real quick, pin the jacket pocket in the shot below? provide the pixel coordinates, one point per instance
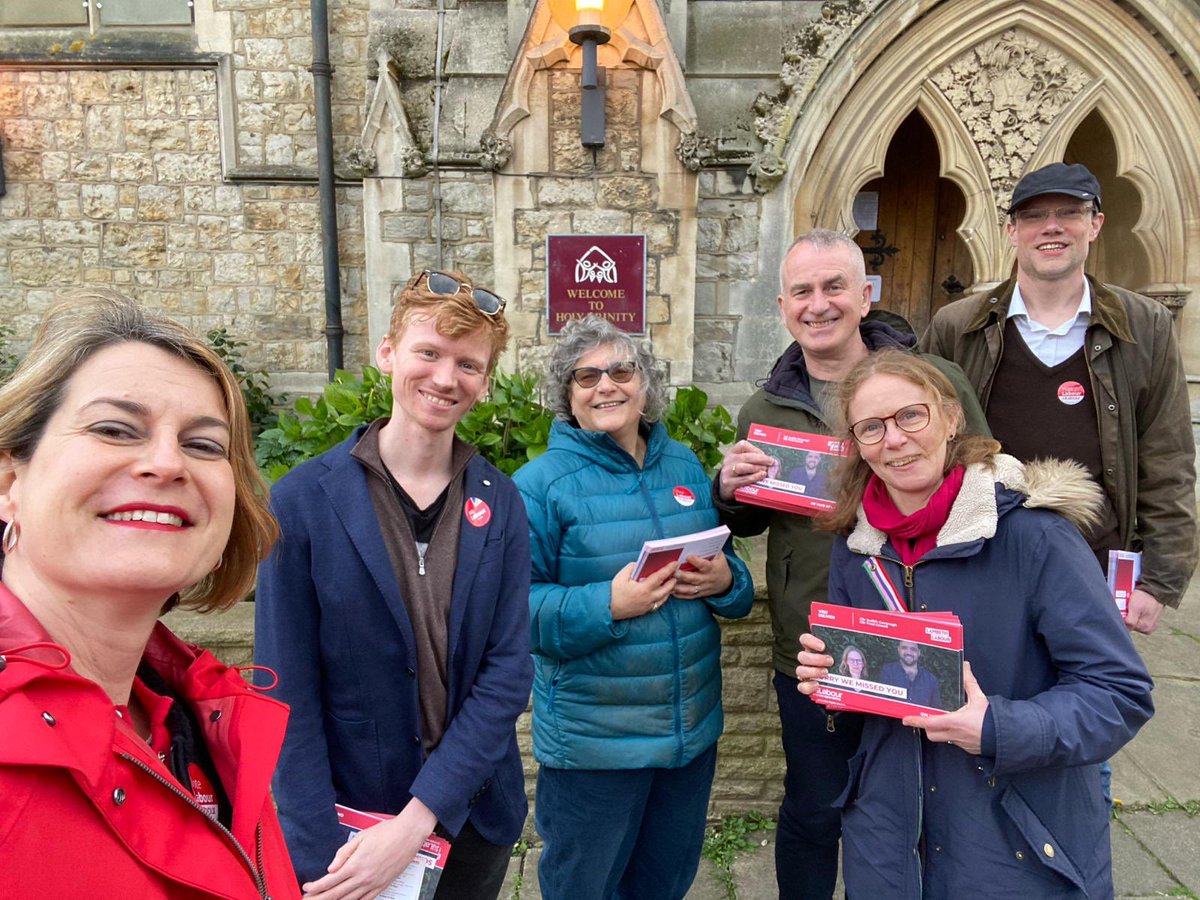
(354, 758)
(855, 766)
(1042, 842)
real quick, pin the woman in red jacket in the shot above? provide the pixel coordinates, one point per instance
(132, 764)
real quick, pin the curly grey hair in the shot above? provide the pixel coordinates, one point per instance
(580, 337)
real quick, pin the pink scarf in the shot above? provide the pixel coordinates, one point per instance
(912, 536)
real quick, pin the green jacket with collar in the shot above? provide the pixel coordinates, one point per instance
(797, 553)
(1138, 383)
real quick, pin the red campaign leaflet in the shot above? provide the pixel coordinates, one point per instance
(889, 663)
(1124, 571)
(659, 554)
(801, 480)
(420, 879)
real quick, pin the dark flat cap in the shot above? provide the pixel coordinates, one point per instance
(1057, 178)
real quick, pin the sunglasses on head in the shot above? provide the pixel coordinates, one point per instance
(448, 286)
(620, 372)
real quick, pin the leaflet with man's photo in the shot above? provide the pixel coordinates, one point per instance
(889, 663)
(801, 478)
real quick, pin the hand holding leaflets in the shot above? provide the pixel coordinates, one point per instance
(961, 728)
(889, 663)
(690, 566)
(799, 470)
(674, 552)
(392, 857)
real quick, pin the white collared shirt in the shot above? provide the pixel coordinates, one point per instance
(1052, 346)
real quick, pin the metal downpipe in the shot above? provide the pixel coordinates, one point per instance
(322, 73)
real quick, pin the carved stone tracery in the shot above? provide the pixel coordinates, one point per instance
(1008, 90)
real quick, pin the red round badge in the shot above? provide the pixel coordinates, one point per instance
(477, 512)
(1071, 392)
(683, 496)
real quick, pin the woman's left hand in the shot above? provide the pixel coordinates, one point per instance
(961, 728)
(711, 578)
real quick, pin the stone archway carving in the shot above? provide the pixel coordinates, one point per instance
(1028, 71)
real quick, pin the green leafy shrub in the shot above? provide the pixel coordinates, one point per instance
(510, 426)
(261, 404)
(707, 431)
(316, 425)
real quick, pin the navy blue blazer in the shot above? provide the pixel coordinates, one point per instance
(331, 622)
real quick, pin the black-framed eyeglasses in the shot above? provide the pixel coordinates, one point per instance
(620, 372)
(1061, 214)
(911, 419)
(489, 303)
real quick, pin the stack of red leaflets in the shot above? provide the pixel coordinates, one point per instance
(1124, 572)
(801, 478)
(674, 551)
(889, 663)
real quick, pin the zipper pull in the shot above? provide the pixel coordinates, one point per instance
(420, 563)
(908, 581)
(830, 723)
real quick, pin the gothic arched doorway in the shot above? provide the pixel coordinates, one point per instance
(908, 221)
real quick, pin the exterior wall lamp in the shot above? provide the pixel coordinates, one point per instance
(590, 34)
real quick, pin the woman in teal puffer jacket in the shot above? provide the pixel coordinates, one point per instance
(627, 687)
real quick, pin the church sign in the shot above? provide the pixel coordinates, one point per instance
(597, 274)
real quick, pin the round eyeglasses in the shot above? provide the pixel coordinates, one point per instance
(910, 419)
(620, 372)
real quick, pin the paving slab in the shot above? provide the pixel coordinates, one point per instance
(1165, 748)
(1174, 839)
(1136, 873)
(754, 870)
(530, 889)
(513, 882)
(708, 884)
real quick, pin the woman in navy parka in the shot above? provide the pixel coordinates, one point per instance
(1002, 797)
(627, 685)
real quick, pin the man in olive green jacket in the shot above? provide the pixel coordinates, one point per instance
(1051, 320)
(825, 304)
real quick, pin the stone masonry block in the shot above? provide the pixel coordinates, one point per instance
(156, 134)
(626, 192)
(98, 201)
(708, 235)
(68, 231)
(42, 266)
(233, 268)
(406, 227)
(467, 197)
(713, 362)
(127, 244)
(601, 221)
(660, 228)
(20, 233)
(716, 328)
(568, 192)
(158, 203)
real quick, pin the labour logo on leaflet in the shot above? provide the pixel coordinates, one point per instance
(683, 496)
(478, 513)
(1071, 392)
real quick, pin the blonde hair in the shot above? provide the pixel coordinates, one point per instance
(454, 315)
(90, 320)
(853, 473)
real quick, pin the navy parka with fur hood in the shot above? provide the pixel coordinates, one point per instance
(1065, 686)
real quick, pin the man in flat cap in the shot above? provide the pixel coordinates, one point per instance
(1066, 366)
